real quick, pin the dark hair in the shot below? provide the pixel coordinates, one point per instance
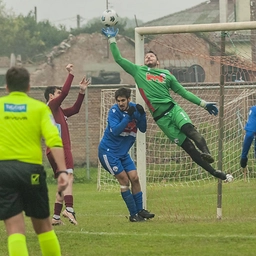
(50, 90)
(17, 79)
(152, 53)
(123, 92)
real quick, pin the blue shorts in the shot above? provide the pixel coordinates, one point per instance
(115, 165)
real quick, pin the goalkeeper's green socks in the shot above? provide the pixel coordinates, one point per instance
(49, 244)
(17, 245)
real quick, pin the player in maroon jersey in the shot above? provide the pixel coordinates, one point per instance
(54, 96)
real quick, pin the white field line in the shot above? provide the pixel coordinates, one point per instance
(84, 232)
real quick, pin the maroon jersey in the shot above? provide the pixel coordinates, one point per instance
(60, 115)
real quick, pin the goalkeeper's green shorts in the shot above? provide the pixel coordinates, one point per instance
(172, 122)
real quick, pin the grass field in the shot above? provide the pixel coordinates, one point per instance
(185, 222)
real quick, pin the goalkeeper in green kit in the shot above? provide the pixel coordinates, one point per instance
(154, 85)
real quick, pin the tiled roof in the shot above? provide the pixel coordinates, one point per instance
(204, 13)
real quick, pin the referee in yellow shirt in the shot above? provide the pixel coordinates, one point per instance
(24, 121)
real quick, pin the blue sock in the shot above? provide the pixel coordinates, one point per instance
(138, 201)
(130, 203)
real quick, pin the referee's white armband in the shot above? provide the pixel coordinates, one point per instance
(112, 40)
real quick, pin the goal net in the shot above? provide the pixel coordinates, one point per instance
(215, 70)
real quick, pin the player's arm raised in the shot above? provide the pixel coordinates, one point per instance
(84, 84)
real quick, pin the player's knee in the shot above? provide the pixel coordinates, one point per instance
(134, 179)
(189, 130)
(124, 187)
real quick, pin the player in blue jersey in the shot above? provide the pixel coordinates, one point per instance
(124, 119)
(250, 132)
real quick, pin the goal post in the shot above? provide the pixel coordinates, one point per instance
(140, 32)
(141, 137)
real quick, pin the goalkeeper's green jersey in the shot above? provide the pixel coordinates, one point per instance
(154, 84)
(23, 123)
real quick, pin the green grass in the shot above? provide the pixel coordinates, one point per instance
(185, 222)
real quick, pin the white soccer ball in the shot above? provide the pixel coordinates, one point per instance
(109, 18)
(229, 178)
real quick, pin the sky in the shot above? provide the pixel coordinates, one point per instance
(65, 12)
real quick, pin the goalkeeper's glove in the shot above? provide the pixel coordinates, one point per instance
(131, 110)
(210, 107)
(110, 33)
(140, 109)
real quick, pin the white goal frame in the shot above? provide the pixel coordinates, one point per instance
(140, 32)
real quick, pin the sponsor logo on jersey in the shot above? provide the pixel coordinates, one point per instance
(15, 107)
(15, 118)
(160, 78)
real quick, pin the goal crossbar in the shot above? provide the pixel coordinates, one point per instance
(231, 26)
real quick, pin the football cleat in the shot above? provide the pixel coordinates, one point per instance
(146, 214)
(70, 216)
(136, 218)
(57, 222)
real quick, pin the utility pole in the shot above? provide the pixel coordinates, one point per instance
(78, 19)
(35, 13)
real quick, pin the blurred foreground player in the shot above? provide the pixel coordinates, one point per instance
(23, 121)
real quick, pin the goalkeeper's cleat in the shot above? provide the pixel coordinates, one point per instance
(146, 214)
(136, 218)
(229, 178)
(70, 215)
(207, 158)
(57, 222)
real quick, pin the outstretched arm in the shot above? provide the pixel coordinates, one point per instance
(77, 105)
(179, 89)
(55, 103)
(127, 65)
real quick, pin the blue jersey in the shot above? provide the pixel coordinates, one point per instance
(120, 133)
(251, 122)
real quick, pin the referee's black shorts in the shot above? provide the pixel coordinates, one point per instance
(23, 188)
